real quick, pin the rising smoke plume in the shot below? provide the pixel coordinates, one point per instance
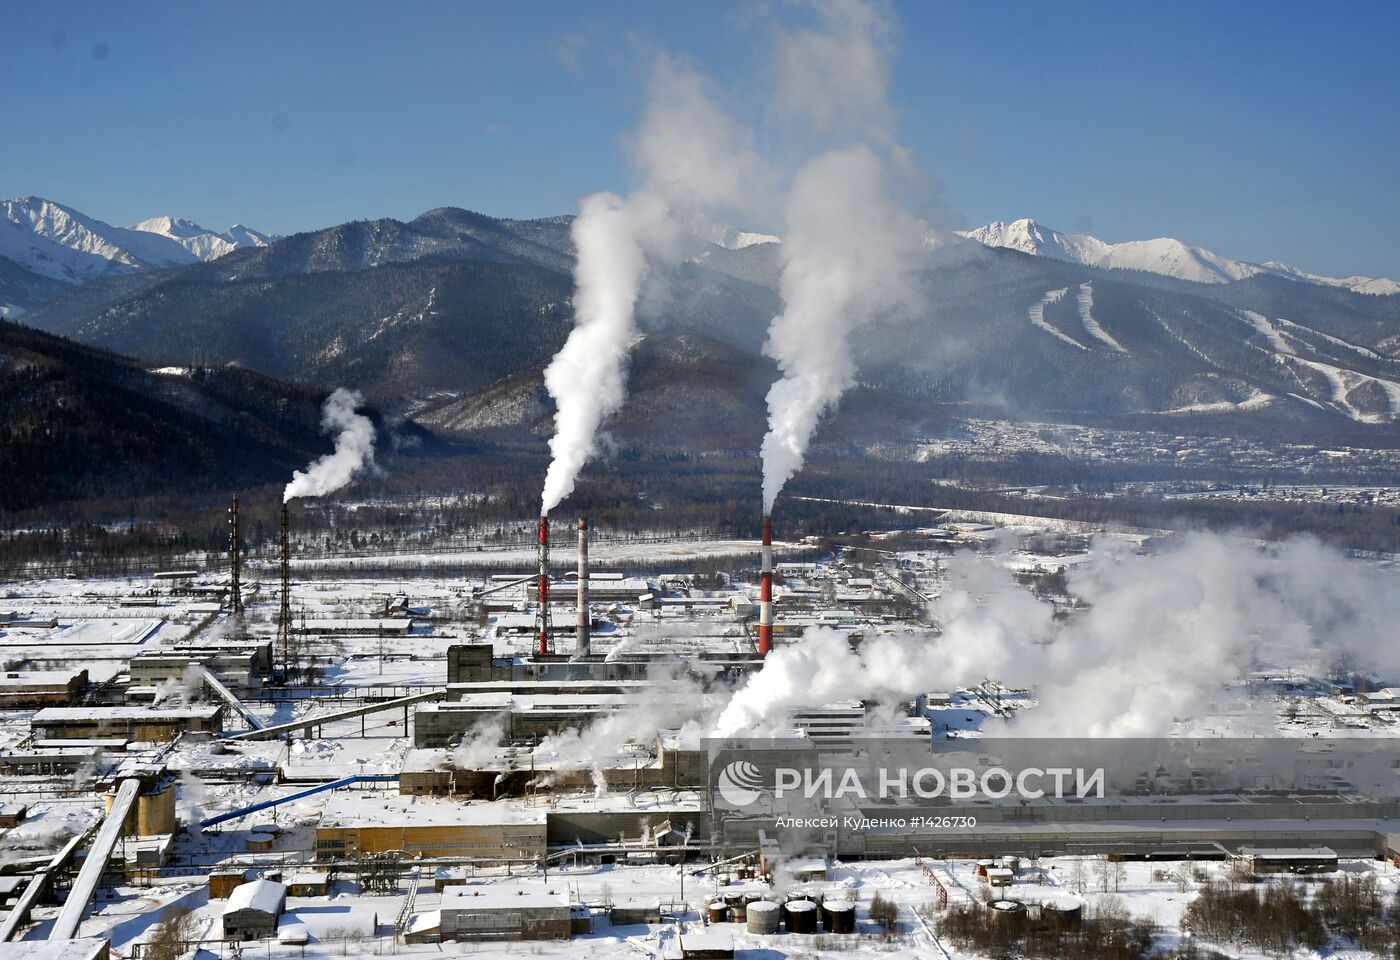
(1159, 637)
(848, 258)
(694, 159)
(354, 448)
(850, 249)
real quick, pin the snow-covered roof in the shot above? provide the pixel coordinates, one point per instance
(88, 948)
(503, 896)
(52, 714)
(265, 896)
(349, 811)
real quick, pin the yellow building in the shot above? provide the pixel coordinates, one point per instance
(354, 824)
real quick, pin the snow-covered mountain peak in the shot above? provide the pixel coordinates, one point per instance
(1163, 255)
(60, 243)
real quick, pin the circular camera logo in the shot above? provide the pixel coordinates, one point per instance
(740, 783)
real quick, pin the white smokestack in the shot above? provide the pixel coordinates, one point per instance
(354, 448)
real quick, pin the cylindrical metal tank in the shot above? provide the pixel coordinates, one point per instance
(984, 865)
(800, 916)
(763, 916)
(840, 916)
(1005, 909)
(719, 911)
(1066, 913)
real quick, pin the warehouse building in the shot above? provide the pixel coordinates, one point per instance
(158, 724)
(353, 825)
(499, 911)
(252, 910)
(36, 689)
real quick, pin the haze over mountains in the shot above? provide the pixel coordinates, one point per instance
(450, 318)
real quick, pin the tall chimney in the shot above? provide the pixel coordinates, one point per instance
(542, 616)
(584, 624)
(235, 561)
(765, 588)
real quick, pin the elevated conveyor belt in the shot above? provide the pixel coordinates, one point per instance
(309, 723)
(69, 918)
(231, 700)
(19, 914)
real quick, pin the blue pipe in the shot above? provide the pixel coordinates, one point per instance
(269, 804)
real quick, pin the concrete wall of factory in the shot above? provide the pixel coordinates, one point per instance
(676, 769)
(504, 841)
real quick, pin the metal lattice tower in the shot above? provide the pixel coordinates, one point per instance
(284, 611)
(235, 561)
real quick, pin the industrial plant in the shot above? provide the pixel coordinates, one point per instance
(279, 761)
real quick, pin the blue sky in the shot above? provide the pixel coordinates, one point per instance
(1260, 130)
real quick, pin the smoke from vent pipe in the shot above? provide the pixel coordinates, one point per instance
(354, 448)
(694, 159)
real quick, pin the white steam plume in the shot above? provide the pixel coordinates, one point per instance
(1159, 637)
(694, 158)
(354, 448)
(849, 249)
(848, 259)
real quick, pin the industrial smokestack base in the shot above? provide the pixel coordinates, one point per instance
(765, 587)
(584, 624)
(542, 615)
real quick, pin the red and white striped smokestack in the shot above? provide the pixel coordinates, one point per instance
(584, 625)
(765, 591)
(542, 619)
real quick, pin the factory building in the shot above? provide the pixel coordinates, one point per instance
(352, 825)
(515, 772)
(523, 911)
(36, 689)
(527, 716)
(357, 626)
(837, 726)
(253, 909)
(157, 724)
(237, 669)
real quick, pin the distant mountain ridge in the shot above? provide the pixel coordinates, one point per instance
(1164, 256)
(44, 244)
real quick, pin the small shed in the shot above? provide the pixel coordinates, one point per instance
(708, 945)
(224, 882)
(1289, 859)
(12, 813)
(424, 928)
(309, 883)
(632, 910)
(252, 910)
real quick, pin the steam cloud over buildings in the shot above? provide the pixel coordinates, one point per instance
(1158, 634)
